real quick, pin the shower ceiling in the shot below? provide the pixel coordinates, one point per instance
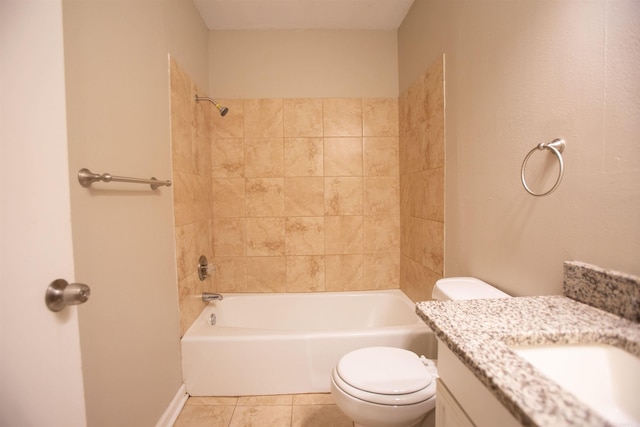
(303, 14)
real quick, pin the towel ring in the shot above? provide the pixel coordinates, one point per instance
(557, 147)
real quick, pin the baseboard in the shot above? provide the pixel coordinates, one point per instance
(173, 410)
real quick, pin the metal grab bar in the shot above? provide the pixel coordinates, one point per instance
(86, 178)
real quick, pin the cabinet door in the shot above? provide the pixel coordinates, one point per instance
(448, 411)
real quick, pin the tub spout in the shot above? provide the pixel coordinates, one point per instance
(210, 296)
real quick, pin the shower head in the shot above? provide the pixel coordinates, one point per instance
(223, 110)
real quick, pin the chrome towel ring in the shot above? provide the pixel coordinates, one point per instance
(557, 147)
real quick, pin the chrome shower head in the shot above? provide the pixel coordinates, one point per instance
(223, 110)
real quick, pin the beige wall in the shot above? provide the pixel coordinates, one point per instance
(303, 64)
(521, 73)
(117, 76)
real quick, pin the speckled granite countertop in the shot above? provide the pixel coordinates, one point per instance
(480, 332)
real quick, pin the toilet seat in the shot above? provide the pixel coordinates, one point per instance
(384, 375)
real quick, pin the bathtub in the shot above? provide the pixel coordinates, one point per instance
(288, 343)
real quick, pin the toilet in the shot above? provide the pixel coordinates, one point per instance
(393, 387)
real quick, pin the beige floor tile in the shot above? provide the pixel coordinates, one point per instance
(205, 416)
(275, 400)
(261, 416)
(319, 416)
(212, 401)
(313, 399)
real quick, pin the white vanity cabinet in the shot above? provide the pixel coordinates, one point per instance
(462, 400)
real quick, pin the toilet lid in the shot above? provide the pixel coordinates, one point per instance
(384, 370)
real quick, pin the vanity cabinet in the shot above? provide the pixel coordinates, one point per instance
(462, 400)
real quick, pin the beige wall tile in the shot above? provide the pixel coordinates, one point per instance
(415, 149)
(264, 157)
(417, 281)
(434, 142)
(433, 249)
(343, 157)
(304, 236)
(302, 117)
(435, 118)
(232, 124)
(434, 194)
(189, 300)
(191, 198)
(413, 239)
(264, 220)
(381, 195)
(344, 234)
(342, 116)
(405, 199)
(192, 240)
(343, 196)
(227, 158)
(434, 81)
(304, 196)
(266, 274)
(417, 197)
(264, 197)
(344, 272)
(417, 102)
(263, 118)
(380, 117)
(265, 236)
(421, 160)
(181, 136)
(305, 273)
(228, 197)
(382, 270)
(381, 233)
(201, 140)
(403, 113)
(181, 87)
(303, 157)
(231, 274)
(380, 156)
(228, 237)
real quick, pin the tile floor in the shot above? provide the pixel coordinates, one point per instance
(297, 410)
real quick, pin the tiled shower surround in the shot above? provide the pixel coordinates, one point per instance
(307, 195)
(422, 155)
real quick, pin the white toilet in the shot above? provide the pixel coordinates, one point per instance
(393, 387)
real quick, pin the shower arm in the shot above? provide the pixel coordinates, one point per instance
(206, 98)
(223, 110)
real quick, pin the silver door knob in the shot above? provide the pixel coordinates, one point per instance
(60, 294)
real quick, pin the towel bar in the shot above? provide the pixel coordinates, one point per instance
(86, 178)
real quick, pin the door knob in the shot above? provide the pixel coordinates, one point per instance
(60, 294)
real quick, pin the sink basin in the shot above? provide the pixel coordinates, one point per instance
(604, 377)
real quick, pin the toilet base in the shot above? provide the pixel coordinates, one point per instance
(374, 415)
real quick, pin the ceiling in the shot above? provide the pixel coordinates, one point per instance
(303, 14)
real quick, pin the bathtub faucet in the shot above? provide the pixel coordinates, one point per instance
(210, 296)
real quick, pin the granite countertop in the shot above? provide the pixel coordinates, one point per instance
(480, 332)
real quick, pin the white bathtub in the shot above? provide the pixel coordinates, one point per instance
(288, 343)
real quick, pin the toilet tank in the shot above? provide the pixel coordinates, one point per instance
(460, 288)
